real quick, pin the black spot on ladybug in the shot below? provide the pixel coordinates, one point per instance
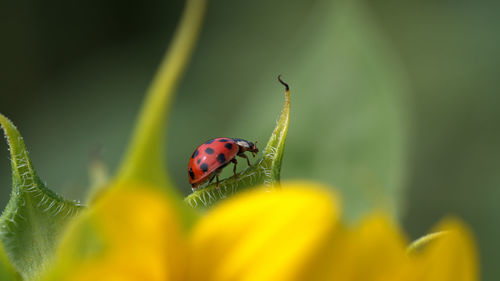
(209, 142)
(229, 146)
(221, 158)
(195, 153)
(209, 150)
(223, 140)
(191, 173)
(199, 160)
(204, 167)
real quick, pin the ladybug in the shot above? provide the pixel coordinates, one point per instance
(211, 157)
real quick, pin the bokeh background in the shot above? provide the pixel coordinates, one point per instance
(395, 103)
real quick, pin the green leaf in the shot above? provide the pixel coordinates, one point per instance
(266, 171)
(34, 216)
(7, 271)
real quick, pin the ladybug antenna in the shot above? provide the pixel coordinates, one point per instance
(284, 84)
(255, 148)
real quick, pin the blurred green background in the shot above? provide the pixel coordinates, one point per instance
(394, 103)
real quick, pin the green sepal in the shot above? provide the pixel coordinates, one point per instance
(34, 216)
(7, 271)
(144, 160)
(266, 171)
(273, 153)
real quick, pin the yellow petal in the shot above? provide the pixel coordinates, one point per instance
(374, 250)
(378, 251)
(451, 257)
(262, 235)
(131, 233)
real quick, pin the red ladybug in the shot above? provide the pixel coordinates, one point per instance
(211, 157)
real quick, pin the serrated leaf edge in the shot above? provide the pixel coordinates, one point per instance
(26, 186)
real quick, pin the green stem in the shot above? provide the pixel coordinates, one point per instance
(145, 158)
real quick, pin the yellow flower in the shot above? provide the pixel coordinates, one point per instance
(137, 235)
(295, 233)
(139, 229)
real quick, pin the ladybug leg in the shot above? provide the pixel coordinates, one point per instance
(246, 157)
(217, 177)
(234, 167)
(211, 179)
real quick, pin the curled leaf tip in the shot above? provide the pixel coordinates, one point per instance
(287, 88)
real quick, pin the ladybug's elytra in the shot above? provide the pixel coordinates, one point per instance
(211, 157)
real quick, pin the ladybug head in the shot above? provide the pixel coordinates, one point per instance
(253, 148)
(246, 146)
